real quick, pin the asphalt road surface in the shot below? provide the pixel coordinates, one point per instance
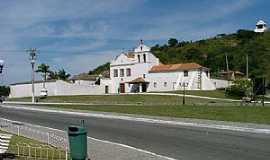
(179, 142)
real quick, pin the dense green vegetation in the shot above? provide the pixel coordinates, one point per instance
(211, 53)
(100, 69)
(46, 73)
(4, 91)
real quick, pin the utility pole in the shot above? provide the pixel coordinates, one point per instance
(247, 66)
(227, 68)
(1, 69)
(264, 90)
(33, 57)
(184, 92)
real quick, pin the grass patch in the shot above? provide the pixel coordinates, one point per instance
(25, 153)
(213, 94)
(251, 114)
(121, 99)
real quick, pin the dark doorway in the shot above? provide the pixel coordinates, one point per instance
(106, 89)
(122, 87)
(144, 87)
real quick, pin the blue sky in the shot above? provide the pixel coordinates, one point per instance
(80, 35)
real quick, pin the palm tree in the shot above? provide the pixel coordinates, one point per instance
(53, 75)
(63, 75)
(44, 69)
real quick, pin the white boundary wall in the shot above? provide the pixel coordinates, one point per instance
(56, 88)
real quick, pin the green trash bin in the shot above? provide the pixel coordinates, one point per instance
(77, 142)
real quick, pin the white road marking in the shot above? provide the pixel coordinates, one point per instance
(148, 120)
(103, 141)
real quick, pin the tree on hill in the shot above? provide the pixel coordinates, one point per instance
(211, 53)
(100, 69)
(172, 42)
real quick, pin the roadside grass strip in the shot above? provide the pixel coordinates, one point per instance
(25, 148)
(247, 114)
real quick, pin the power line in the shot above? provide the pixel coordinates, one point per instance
(53, 52)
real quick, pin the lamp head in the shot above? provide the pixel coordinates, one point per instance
(1, 65)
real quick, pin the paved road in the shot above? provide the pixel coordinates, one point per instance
(188, 143)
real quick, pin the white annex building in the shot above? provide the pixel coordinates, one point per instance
(132, 72)
(141, 71)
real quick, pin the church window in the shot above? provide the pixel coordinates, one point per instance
(122, 72)
(128, 72)
(155, 84)
(185, 73)
(144, 58)
(115, 72)
(165, 84)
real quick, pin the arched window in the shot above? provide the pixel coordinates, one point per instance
(139, 58)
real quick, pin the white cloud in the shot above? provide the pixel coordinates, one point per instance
(55, 25)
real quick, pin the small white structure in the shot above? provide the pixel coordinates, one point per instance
(261, 27)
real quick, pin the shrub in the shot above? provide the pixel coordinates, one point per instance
(240, 88)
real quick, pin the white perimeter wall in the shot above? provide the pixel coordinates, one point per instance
(219, 83)
(55, 89)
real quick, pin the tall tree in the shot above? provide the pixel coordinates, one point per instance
(172, 42)
(53, 75)
(44, 70)
(63, 75)
(4, 91)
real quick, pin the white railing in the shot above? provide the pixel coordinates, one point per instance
(48, 136)
(32, 151)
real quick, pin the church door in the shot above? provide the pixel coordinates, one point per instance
(122, 87)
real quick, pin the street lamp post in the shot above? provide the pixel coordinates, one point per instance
(33, 58)
(184, 92)
(1, 66)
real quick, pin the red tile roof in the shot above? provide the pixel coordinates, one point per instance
(175, 67)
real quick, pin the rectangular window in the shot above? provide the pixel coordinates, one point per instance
(165, 84)
(174, 85)
(185, 73)
(155, 84)
(122, 72)
(139, 58)
(115, 72)
(128, 72)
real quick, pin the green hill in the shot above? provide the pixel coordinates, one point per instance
(211, 52)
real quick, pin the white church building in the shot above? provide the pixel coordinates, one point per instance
(141, 71)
